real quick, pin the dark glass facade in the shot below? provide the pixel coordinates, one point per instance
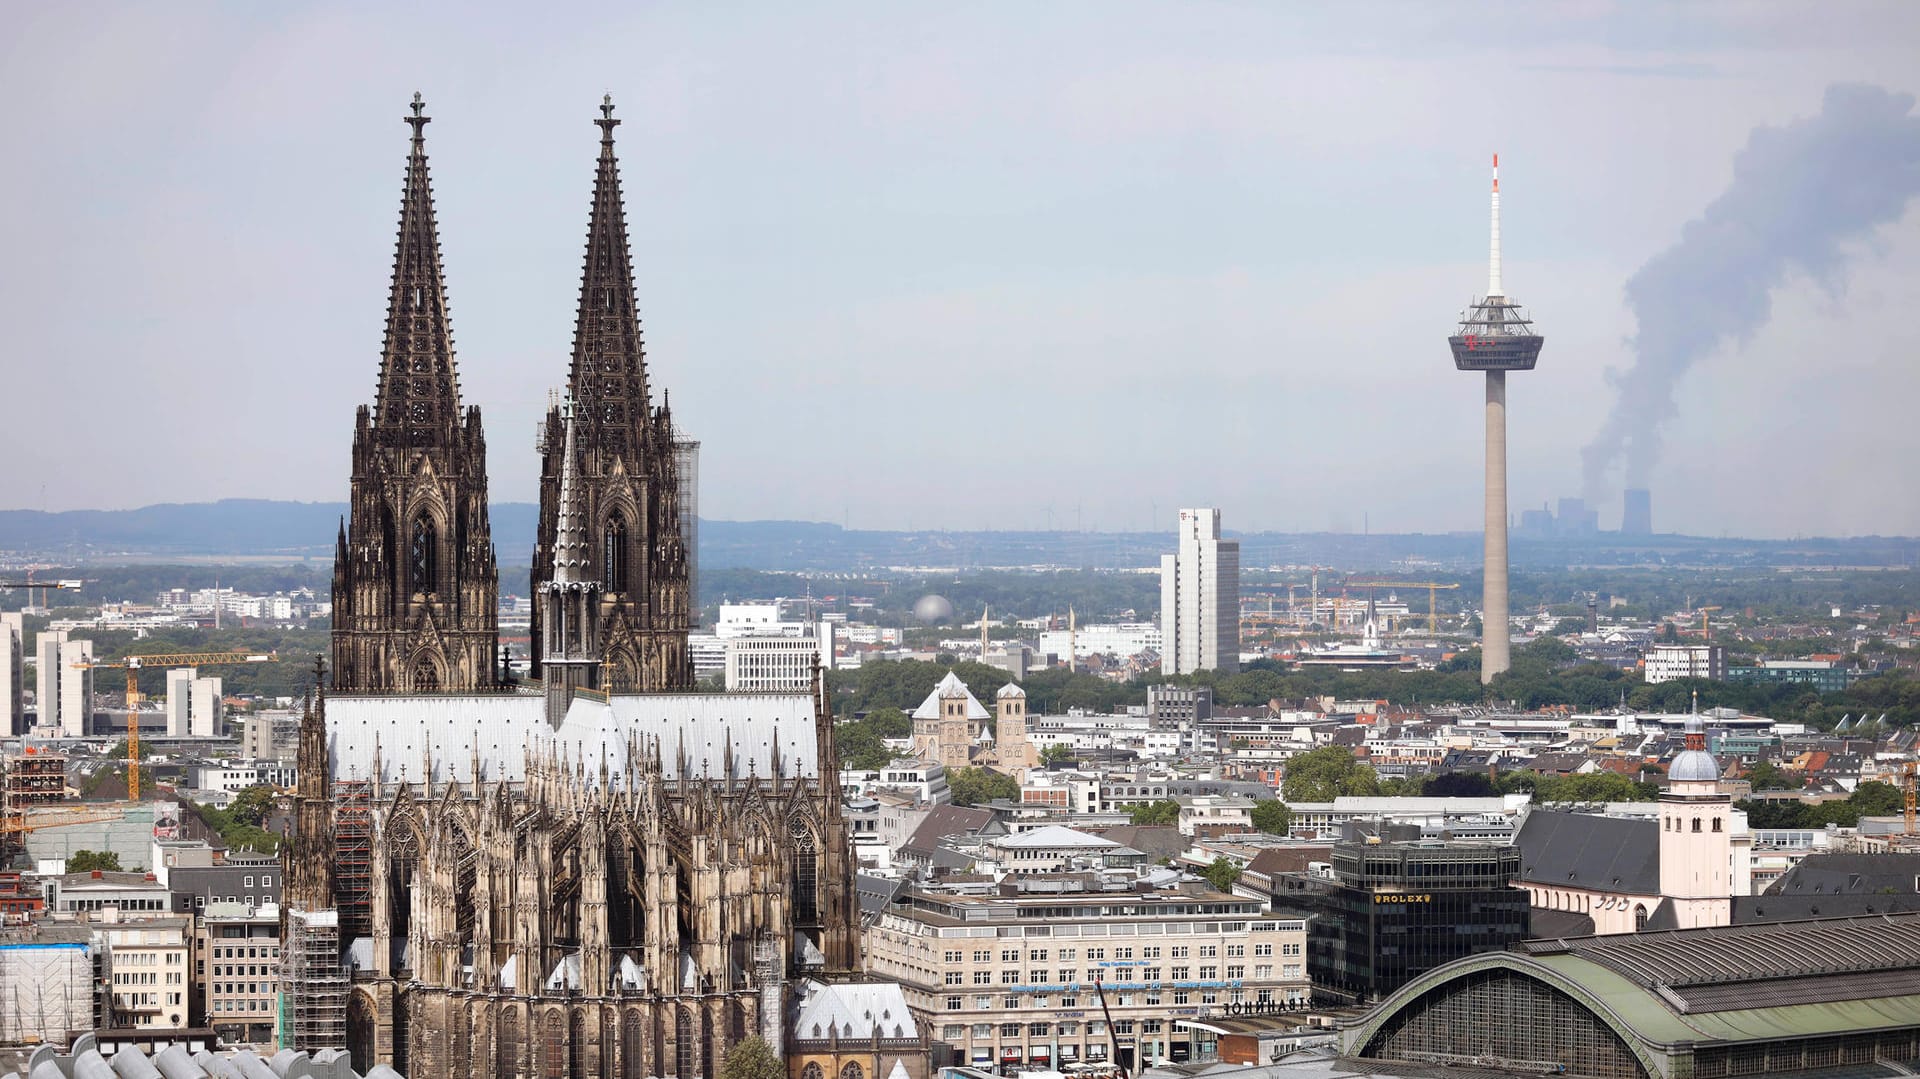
(1394, 911)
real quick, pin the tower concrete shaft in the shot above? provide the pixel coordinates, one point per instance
(1495, 654)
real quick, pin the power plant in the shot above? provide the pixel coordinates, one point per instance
(1495, 337)
(1636, 518)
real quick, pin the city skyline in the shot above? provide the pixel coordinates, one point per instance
(840, 225)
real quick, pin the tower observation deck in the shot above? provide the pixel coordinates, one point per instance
(1495, 337)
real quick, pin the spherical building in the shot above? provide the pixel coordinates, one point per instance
(933, 610)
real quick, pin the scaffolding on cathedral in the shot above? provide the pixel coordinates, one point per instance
(315, 982)
(353, 840)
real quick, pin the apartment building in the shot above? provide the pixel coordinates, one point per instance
(1017, 980)
(145, 966)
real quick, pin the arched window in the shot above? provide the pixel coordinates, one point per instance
(511, 1052)
(1639, 917)
(1716, 824)
(853, 1071)
(613, 555)
(1696, 824)
(686, 1052)
(812, 1071)
(423, 557)
(556, 1047)
(426, 677)
(806, 898)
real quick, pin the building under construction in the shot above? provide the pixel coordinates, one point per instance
(314, 982)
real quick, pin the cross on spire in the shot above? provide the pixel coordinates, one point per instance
(607, 122)
(418, 121)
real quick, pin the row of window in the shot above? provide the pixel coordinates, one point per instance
(1069, 975)
(1151, 951)
(1149, 999)
(144, 977)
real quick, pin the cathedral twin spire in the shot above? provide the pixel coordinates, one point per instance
(415, 582)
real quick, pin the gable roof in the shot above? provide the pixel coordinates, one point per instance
(950, 687)
(1579, 850)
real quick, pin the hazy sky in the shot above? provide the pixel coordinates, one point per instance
(947, 265)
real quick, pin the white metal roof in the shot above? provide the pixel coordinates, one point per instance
(415, 736)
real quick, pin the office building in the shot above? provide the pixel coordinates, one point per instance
(1824, 675)
(64, 696)
(1398, 908)
(13, 689)
(1668, 662)
(236, 968)
(1171, 707)
(1200, 598)
(1026, 996)
(777, 664)
(195, 707)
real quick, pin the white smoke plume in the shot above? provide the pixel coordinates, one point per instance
(1799, 193)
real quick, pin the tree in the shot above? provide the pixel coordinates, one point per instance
(1222, 874)
(1055, 754)
(1165, 811)
(1325, 774)
(1272, 816)
(1767, 776)
(860, 746)
(971, 786)
(752, 1058)
(252, 805)
(88, 861)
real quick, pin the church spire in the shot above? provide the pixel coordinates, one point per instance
(419, 385)
(608, 379)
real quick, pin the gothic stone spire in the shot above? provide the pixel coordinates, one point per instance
(608, 379)
(419, 385)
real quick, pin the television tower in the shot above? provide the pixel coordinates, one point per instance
(1495, 337)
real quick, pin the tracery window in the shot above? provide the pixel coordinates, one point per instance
(423, 556)
(853, 1070)
(613, 554)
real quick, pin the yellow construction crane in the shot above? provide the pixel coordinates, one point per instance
(133, 666)
(30, 584)
(1433, 597)
(1706, 629)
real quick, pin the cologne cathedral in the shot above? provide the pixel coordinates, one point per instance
(593, 873)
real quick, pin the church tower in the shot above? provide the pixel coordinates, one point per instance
(627, 491)
(307, 858)
(1696, 835)
(415, 588)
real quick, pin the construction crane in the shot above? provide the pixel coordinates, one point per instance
(68, 585)
(1706, 629)
(133, 666)
(1433, 597)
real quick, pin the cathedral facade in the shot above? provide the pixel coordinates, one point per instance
(595, 874)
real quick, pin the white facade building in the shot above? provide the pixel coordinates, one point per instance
(1200, 598)
(1123, 639)
(195, 707)
(1668, 662)
(64, 695)
(759, 664)
(13, 696)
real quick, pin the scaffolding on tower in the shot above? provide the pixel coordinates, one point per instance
(315, 982)
(353, 868)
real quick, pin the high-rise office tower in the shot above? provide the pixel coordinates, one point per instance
(1200, 598)
(64, 695)
(13, 695)
(1495, 336)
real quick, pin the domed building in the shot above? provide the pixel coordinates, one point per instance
(1606, 873)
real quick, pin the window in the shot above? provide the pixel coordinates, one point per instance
(1009, 955)
(955, 977)
(953, 1004)
(1152, 952)
(982, 1003)
(1123, 953)
(1208, 951)
(1716, 824)
(1039, 954)
(1096, 953)
(983, 977)
(1262, 950)
(1235, 970)
(952, 957)
(613, 555)
(423, 556)
(1009, 977)
(1010, 1003)
(1179, 951)
(982, 956)
(1696, 824)
(1209, 974)
(1067, 954)
(1180, 973)
(1179, 996)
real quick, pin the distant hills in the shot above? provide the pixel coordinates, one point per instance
(267, 530)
